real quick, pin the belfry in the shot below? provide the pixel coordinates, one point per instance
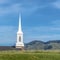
(19, 42)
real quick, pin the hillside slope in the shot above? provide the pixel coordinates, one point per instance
(40, 45)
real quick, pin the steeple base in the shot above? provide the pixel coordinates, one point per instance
(20, 46)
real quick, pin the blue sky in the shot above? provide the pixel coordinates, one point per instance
(40, 20)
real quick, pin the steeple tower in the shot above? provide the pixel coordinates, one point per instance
(19, 43)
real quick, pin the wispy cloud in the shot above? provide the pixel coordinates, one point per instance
(10, 9)
(4, 1)
(7, 35)
(44, 29)
(56, 4)
(42, 37)
(56, 23)
(27, 7)
(43, 33)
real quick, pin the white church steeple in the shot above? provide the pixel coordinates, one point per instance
(19, 43)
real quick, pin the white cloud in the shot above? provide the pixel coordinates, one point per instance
(10, 9)
(50, 37)
(7, 34)
(44, 29)
(43, 33)
(26, 7)
(56, 4)
(4, 1)
(45, 37)
(16, 8)
(56, 23)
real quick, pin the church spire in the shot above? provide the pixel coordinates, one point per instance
(19, 42)
(19, 28)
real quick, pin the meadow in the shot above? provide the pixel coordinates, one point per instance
(30, 55)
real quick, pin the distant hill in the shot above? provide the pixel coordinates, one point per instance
(40, 45)
(37, 45)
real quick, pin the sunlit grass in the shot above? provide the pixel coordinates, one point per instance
(30, 55)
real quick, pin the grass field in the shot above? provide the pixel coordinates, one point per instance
(29, 55)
